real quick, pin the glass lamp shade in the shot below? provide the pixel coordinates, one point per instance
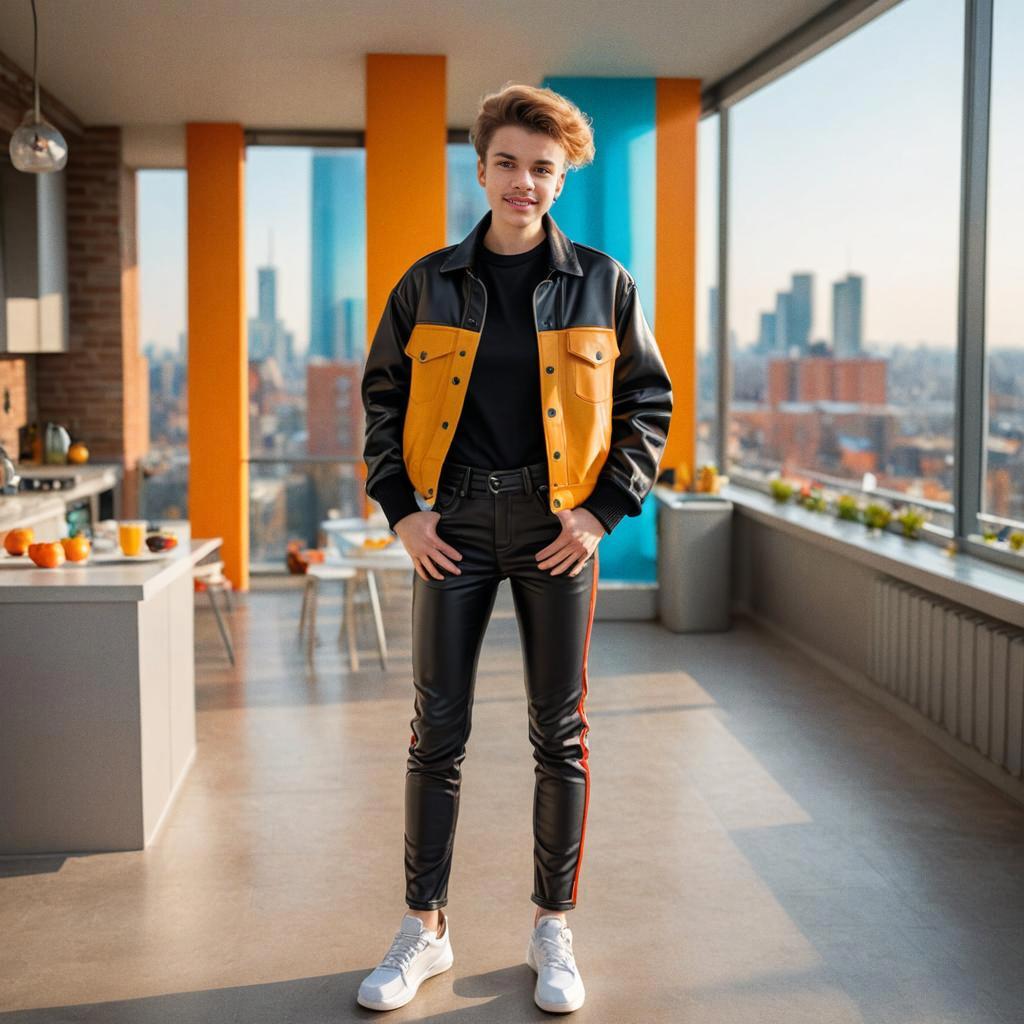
(37, 147)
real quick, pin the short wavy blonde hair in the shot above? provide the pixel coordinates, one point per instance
(537, 110)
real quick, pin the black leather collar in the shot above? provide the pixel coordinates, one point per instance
(563, 255)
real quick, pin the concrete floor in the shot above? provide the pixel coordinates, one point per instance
(763, 845)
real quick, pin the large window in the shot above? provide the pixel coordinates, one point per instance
(843, 261)
(163, 334)
(1002, 502)
(707, 290)
(467, 202)
(306, 294)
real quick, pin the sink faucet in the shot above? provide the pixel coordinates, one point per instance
(9, 477)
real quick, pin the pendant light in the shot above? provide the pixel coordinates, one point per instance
(36, 145)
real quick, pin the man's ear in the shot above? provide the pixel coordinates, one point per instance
(480, 172)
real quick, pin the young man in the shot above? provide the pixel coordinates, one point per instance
(515, 385)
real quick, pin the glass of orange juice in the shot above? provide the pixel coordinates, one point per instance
(131, 533)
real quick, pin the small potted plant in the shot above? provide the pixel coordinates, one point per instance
(988, 535)
(1016, 540)
(782, 490)
(812, 498)
(911, 519)
(876, 516)
(847, 508)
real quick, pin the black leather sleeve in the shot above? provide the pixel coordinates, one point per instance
(385, 393)
(641, 403)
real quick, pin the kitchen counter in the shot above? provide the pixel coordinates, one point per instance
(97, 685)
(111, 581)
(30, 508)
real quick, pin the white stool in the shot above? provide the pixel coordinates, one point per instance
(211, 575)
(327, 573)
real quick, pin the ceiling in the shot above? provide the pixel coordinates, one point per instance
(299, 63)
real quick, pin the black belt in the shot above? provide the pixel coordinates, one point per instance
(478, 482)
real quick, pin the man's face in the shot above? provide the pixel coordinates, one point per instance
(523, 173)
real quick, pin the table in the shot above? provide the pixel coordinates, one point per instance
(348, 563)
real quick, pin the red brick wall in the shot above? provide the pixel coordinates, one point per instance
(15, 392)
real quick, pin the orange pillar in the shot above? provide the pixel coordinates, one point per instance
(406, 171)
(678, 110)
(217, 356)
(406, 157)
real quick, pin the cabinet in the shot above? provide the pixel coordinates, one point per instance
(33, 261)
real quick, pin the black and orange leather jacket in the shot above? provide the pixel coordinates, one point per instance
(606, 395)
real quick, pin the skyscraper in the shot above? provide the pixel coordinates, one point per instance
(783, 319)
(800, 312)
(766, 336)
(338, 231)
(847, 316)
(267, 335)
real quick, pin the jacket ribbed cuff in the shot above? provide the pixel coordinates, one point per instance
(608, 503)
(397, 497)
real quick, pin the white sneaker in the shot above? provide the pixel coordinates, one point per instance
(416, 954)
(559, 986)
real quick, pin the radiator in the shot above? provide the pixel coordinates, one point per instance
(961, 669)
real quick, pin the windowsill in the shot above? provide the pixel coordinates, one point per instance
(962, 578)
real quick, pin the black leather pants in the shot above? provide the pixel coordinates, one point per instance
(498, 526)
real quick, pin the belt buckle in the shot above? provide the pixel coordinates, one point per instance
(493, 484)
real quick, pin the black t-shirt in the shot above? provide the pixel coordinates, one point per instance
(500, 426)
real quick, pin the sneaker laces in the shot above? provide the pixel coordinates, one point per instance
(404, 949)
(556, 952)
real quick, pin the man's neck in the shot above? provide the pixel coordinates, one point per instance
(509, 241)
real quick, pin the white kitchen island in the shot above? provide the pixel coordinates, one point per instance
(97, 683)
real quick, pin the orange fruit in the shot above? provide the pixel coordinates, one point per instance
(78, 453)
(47, 555)
(16, 542)
(76, 549)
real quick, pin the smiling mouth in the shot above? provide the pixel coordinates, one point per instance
(520, 203)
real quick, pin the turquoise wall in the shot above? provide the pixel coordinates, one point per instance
(610, 205)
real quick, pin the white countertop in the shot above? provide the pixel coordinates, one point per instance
(113, 581)
(26, 508)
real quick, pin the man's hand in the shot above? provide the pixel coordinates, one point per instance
(418, 534)
(581, 533)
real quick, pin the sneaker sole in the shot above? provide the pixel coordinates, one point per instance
(444, 964)
(551, 1007)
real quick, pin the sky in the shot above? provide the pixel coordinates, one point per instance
(851, 162)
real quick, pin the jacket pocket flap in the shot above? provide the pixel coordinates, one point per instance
(595, 344)
(428, 341)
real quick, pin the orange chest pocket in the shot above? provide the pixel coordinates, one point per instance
(430, 347)
(592, 352)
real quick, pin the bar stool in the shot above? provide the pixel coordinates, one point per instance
(209, 576)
